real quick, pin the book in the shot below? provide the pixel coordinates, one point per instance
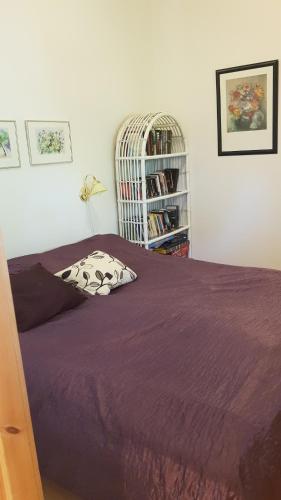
(159, 142)
(172, 176)
(155, 224)
(176, 245)
(166, 219)
(156, 184)
(151, 143)
(138, 190)
(174, 241)
(152, 227)
(151, 187)
(164, 142)
(157, 244)
(169, 142)
(131, 190)
(125, 190)
(163, 182)
(160, 221)
(173, 212)
(182, 251)
(139, 229)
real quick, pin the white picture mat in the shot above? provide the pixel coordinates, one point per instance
(36, 158)
(247, 140)
(13, 160)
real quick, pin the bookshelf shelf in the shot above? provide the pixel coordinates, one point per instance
(153, 157)
(157, 198)
(170, 233)
(152, 179)
(163, 236)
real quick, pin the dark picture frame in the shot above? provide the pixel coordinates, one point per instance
(247, 109)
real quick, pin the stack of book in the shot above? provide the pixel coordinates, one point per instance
(177, 245)
(159, 142)
(156, 185)
(162, 182)
(159, 183)
(163, 220)
(131, 190)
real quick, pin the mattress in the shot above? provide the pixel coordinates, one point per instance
(167, 389)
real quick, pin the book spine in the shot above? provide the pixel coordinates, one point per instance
(158, 135)
(125, 190)
(169, 141)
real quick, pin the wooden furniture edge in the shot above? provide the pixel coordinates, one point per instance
(19, 472)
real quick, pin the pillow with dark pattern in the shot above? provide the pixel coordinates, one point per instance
(98, 273)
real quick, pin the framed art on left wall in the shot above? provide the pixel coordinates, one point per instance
(9, 148)
(49, 142)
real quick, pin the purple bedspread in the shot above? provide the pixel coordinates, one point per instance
(167, 389)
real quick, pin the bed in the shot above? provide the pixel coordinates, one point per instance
(167, 389)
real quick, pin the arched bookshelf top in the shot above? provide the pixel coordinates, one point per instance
(134, 134)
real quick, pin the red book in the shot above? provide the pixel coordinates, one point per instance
(125, 190)
(182, 251)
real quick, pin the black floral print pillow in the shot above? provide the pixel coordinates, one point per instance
(98, 273)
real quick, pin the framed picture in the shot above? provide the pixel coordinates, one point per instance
(9, 148)
(247, 109)
(48, 142)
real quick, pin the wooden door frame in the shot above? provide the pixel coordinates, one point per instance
(19, 472)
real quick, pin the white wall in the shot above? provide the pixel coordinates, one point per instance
(236, 201)
(76, 60)
(94, 61)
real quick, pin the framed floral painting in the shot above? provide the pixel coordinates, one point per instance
(247, 109)
(9, 148)
(49, 142)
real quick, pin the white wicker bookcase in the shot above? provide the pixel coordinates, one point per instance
(133, 164)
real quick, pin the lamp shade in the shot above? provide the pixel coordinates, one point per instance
(91, 187)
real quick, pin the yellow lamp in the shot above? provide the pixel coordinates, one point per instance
(91, 186)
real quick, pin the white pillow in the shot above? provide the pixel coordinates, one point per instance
(98, 273)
